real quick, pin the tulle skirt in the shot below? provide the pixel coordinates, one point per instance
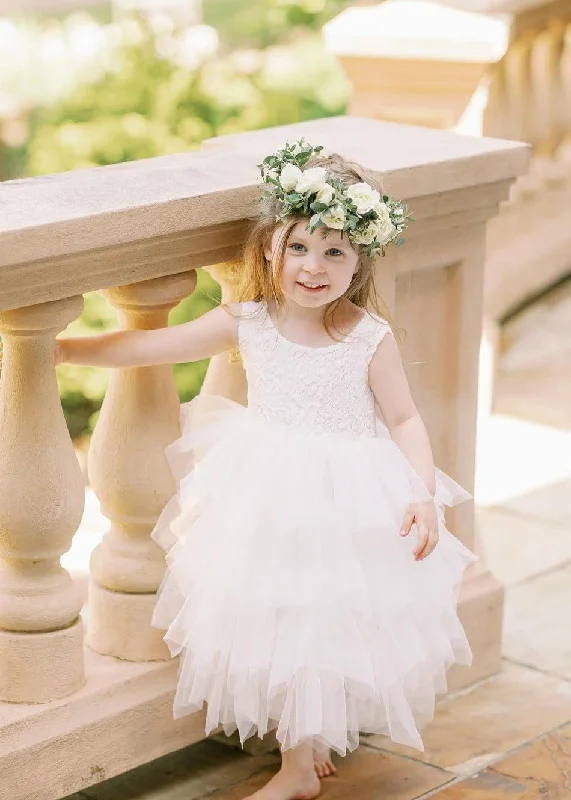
(289, 595)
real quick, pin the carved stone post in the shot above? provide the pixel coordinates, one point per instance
(130, 476)
(41, 505)
(415, 61)
(226, 376)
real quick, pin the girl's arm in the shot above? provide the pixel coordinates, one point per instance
(392, 394)
(212, 333)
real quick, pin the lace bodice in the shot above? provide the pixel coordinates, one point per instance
(314, 389)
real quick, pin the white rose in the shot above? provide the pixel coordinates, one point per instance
(311, 180)
(365, 235)
(363, 196)
(325, 195)
(334, 217)
(386, 229)
(289, 177)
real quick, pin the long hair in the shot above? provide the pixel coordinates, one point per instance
(252, 278)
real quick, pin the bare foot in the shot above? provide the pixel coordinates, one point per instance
(288, 785)
(324, 766)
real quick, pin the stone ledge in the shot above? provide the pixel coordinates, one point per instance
(85, 210)
(121, 262)
(120, 719)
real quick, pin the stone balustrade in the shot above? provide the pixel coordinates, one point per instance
(75, 712)
(530, 100)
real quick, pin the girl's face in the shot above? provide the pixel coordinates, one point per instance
(316, 270)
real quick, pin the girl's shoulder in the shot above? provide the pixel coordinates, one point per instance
(371, 329)
(362, 320)
(252, 316)
(245, 310)
(250, 307)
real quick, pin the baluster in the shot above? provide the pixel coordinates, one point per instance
(546, 95)
(225, 375)
(42, 494)
(130, 476)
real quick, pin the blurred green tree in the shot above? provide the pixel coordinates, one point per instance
(145, 104)
(263, 23)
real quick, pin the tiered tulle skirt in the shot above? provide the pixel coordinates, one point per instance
(290, 596)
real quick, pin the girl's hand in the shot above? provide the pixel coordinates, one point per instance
(426, 519)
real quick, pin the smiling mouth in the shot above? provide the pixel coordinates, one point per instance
(312, 287)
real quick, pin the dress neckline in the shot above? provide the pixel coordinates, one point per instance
(345, 340)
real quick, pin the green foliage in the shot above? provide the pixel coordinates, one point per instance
(144, 105)
(263, 23)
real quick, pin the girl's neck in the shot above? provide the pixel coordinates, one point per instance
(298, 314)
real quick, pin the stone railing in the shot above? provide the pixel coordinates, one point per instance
(75, 712)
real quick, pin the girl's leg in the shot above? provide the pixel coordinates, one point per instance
(296, 779)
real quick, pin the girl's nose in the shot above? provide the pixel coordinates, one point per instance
(312, 265)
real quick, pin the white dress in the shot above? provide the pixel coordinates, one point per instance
(290, 596)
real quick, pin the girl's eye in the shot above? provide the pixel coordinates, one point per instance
(295, 245)
(333, 251)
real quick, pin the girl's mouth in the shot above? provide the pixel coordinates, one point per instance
(312, 288)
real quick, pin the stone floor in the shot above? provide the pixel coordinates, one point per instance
(508, 738)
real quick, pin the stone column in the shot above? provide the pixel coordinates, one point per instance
(415, 61)
(41, 505)
(130, 475)
(226, 376)
(439, 303)
(442, 362)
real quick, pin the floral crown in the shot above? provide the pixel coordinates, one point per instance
(371, 221)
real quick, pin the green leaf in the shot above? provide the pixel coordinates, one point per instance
(314, 222)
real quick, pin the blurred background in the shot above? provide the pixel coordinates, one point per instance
(85, 83)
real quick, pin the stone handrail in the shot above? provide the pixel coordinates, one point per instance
(138, 231)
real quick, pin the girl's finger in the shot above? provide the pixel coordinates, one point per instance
(407, 523)
(430, 545)
(422, 540)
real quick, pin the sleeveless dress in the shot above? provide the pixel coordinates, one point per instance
(290, 596)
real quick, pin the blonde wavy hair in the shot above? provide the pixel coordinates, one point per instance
(253, 278)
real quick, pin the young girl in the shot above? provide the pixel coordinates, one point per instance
(311, 584)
